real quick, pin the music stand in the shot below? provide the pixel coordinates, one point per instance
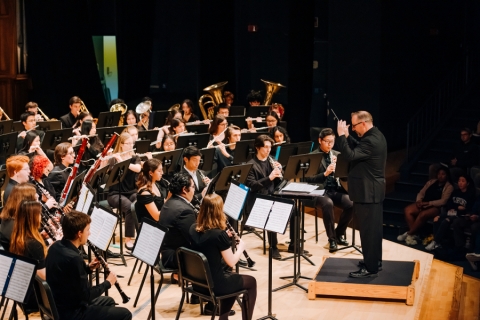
(85, 198)
(258, 111)
(250, 135)
(284, 152)
(206, 161)
(238, 121)
(105, 134)
(6, 126)
(142, 146)
(108, 119)
(159, 118)
(50, 125)
(18, 126)
(236, 111)
(54, 137)
(197, 128)
(8, 143)
(244, 151)
(230, 174)
(169, 160)
(304, 147)
(116, 176)
(147, 249)
(4, 178)
(275, 220)
(302, 166)
(75, 187)
(148, 135)
(197, 140)
(264, 124)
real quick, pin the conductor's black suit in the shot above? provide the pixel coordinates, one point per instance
(366, 188)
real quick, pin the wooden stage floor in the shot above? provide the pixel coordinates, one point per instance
(292, 302)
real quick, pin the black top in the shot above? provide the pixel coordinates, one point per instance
(6, 228)
(8, 189)
(34, 250)
(328, 182)
(467, 155)
(458, 198)
(178, 216)
(58, 179)
(193, 118)
(211, 243)
(20, 140)
(68, 120)
(434, 192)
(127, 186)
(222, 161)
(201, 184)
(67, 275)
(143, 200)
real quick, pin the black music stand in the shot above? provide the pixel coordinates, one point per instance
(159, 118)
(97, 179)
(6, 126)
(302, 166)
(236, 111)
(105, 134)
(147, 249)
(169, 160)
(54, 137)
(206, 162)
(244, 151)
(257, 216)
(197, 128)
(18, 126)
(148, 135)
(50, 125)
(116, 176)
(250, 135)
(142, 146)
(4, 178)
(258, 111)
(8, 143)
(282, 124)
(197, 140)
(108, 119)
(236, 173)
(75, 187)
(238, 121)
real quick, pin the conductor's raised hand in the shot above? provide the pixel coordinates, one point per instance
(342, 128)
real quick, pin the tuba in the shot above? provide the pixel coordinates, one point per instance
(3, 113)
(216, 97)
(122, 107)
(270, 89)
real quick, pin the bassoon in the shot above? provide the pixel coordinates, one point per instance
(97, 163)
(73, 173)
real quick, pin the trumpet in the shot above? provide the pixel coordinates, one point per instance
(274, 166)
(3, 113)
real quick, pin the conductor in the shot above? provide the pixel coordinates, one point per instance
(366, 186)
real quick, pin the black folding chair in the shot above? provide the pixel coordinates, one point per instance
(45, 300)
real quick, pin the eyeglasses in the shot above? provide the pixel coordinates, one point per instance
(71, 153)
(329, 141)
(129, 143)
(356, 124)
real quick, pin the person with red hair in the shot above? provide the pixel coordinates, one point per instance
(18, 171)
(40, 168)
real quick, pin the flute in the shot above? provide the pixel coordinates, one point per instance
(197, 123)
(100, 259)
(277, 143)
(27, 131)
(214, 137)
(272, 163)
(152, 153)
(226, 145)
(120, 153)
(83, 136)
(262, 128)
(236, 237)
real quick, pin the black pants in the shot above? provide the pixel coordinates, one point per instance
(249, 284)
(459, 226)
(126, 209)
(442, 227)
(102, 308)
(326, 203)
(369, 217)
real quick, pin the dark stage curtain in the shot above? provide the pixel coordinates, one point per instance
(61, 58)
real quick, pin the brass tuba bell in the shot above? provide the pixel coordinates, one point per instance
(122, 107)
(216, 97)
(270, 89)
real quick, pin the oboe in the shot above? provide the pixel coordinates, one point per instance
(100, 259)
(236, 237)
(272, 163)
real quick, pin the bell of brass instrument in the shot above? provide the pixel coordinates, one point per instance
(270, 89)
(216, 97)
(44, 115)
(143, 109)
(122, 107)
(176, 106)
(83, 107)
(3, 113)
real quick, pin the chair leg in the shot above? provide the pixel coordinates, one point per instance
(140, 267)
(180, 306)
(316, 225)
(133, 271)
(264, 243)
(141, 287)
(215, 307)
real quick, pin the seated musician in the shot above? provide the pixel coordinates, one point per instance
(278, 108)
(94, 144)
(187, 111)
(26, 241)
(18, 171)
(144, 118)
(33, 107)
(126, 190)
(151, 194)
(279, 136)
(64, 157)
(177, 127)
(254, 98)
(223, 110)
(191, 161)
(82, 116)
(70, 118)
(224, 153)
(172, 114)
(177, 215)
(262, 179)
(168, 143)
(133, 132)
(208, 236)
(40, 168)
(228, 98)
(29, 124)
(67, 276)
(21, 191)
(130, 118)
(217, 130)
(334, 194)
(31, 145)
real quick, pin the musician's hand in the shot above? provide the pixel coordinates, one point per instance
(50, 202)
(258, 119)
(342, 128)
(44, 234)
(68, 208)
(118, 157)
(241, 245)
(76, 132)
(23, 134)
(148, 155)
(330, 169)
(206, 180)
(419, 204)
(169, 195)
(229, 233)
(94, 264)
(112, 278)
(275, 174)
(206, 121)
(253, 130)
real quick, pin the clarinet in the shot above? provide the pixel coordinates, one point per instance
(250, 262)
(45, 192)
(48, 228)
(272, 163)
(99, 257)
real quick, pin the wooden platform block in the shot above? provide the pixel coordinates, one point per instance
(396, 281)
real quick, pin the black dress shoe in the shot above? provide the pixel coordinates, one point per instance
(361, 264)
(242, 263)
(194, 299)
(208, 310)
(363, 273)
(111, 254)
(342, 241)
(333, 246)
(276, 254)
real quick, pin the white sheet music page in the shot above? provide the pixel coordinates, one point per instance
(299, 187)
(259, 214)
(5, 263)
(19, 280)
(235, 200)
(85, 199)
(102, 227)
(278, 219)
(147, 245)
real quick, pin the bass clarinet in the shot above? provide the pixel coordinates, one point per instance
(100, 259)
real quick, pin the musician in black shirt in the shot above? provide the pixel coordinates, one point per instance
(67, 276)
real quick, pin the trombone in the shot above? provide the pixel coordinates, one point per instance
(3, 113)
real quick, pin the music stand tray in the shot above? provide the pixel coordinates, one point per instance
(169, 160)
(206, 162)
(197, 140)
(236, 173)
(236, 111)
(244, 151)
(104, 134)
(108, 119)
(18, 126)
(238, 121)
(197, 128)
(6, 126)
(148, 135)
(159, 118)
(251, 135)
(54, 137)
(304, 147)
(50, 125)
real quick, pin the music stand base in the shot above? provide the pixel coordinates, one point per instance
(270, 316)
(350, 246)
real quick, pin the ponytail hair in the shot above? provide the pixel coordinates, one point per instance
(144, 180)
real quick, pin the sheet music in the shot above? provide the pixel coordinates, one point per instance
(102, 227)
(318, 192)
(5, 263)
(277, 221)
(235, 200)
(259, 214)
(20, 280)
(299, 187)
(85, 199)
(147, 245)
